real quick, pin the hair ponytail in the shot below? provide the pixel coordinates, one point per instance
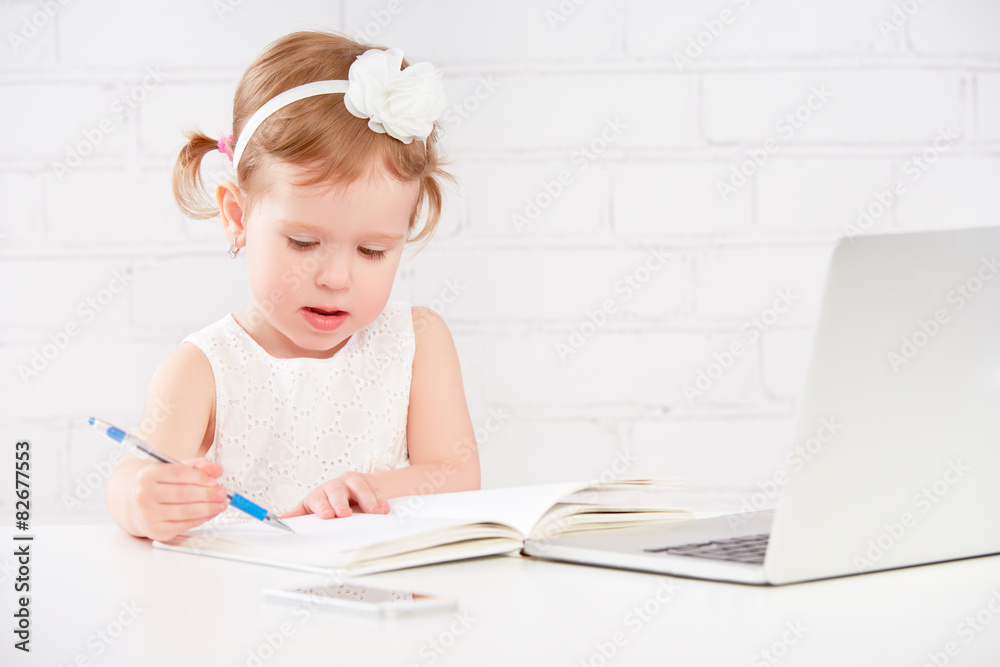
(189, 188)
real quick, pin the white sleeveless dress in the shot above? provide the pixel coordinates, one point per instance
(285, 426)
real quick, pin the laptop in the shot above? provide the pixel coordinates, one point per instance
(895, 459)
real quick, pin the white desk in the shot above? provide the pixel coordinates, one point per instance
(193, 610)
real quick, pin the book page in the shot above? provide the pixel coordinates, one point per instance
(661, 495)
(520, 507)
(325, 543)
(568, 518)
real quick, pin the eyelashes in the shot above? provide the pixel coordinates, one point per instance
(295, 244)
(302, 246)
(372, 254)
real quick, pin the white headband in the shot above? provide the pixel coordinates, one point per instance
(401, 103)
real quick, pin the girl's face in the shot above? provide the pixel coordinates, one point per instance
(321, 260)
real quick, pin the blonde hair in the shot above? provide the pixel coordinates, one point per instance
(317, 133)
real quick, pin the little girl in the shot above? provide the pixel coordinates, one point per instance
(319, 393)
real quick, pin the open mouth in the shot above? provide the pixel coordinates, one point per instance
(324, 320)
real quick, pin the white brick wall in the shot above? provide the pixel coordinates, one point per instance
(988, 98)
(660, 29)
(530, 93)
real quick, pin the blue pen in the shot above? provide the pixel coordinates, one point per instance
(147, 451)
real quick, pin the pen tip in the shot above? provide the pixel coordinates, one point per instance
(91, 421)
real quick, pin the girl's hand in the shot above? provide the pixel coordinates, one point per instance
(170, 499)
(333, 498)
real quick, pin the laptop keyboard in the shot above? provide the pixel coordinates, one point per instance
(746, 549)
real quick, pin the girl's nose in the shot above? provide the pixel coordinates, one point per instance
(334, 272)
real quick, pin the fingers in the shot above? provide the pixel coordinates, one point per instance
(189, 493)
(298, 510)
(171, 501)
(200, 512)
(366, 490)
(165, 521)
(333, 499)
(178, 484)
(209, 467)
(173, 498)
(167, 473)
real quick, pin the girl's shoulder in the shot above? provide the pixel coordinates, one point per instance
(180, 403)
(431, 335)
(398, 319)
(186, 371)
(221, 332)
(426, 320)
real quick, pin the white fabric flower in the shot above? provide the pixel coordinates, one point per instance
(403, 104)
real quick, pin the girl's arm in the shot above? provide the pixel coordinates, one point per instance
(158, 500)
(442, 446)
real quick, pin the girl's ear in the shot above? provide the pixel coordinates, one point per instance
(230, 202)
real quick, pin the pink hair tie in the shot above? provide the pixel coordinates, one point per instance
(224, 146)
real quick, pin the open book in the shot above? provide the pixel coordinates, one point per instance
(420, 530)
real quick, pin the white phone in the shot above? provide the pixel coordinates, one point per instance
(379, 602)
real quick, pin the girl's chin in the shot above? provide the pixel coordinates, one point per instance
(318, 345)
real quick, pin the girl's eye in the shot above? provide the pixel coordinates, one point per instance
(373, 254)
(296, 244)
